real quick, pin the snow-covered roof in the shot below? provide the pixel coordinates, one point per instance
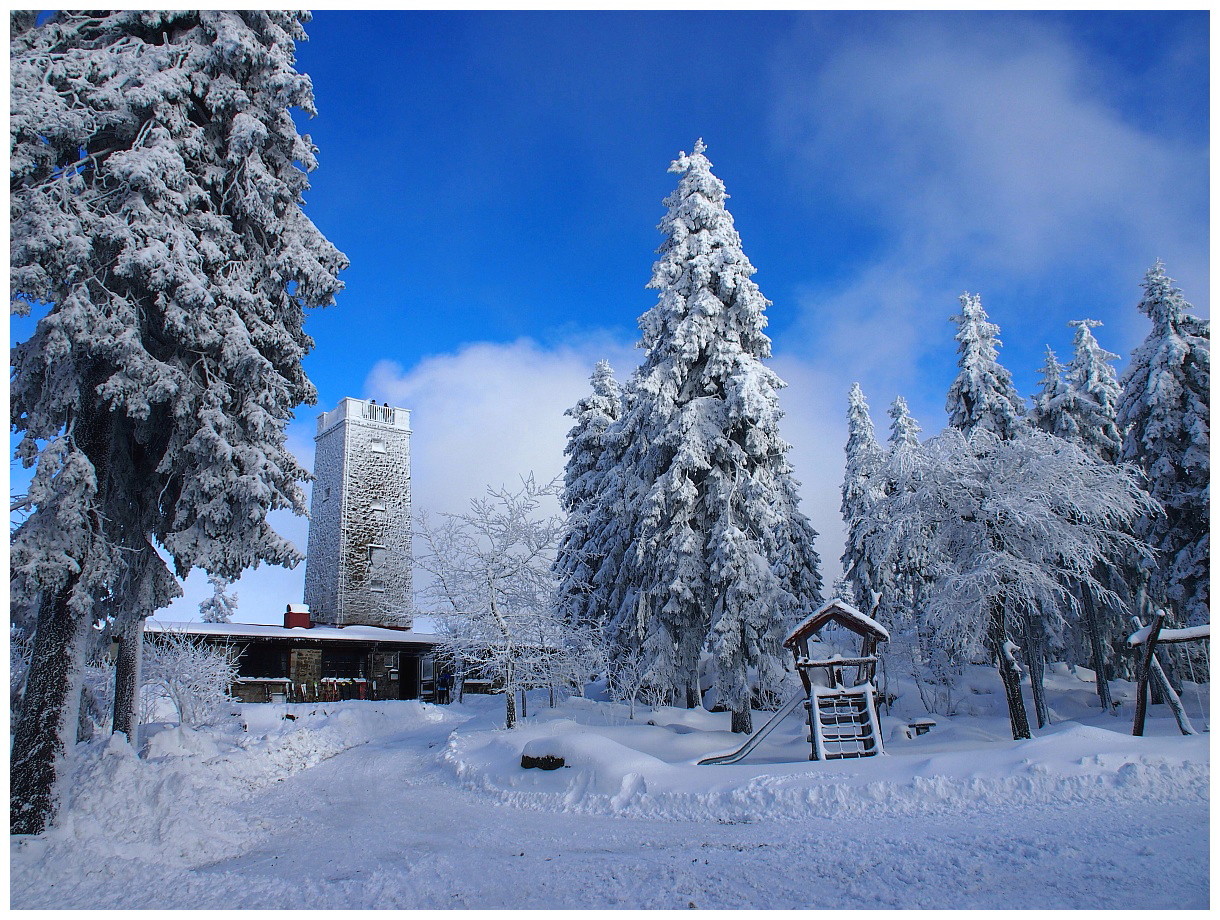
(327, 633)
(843, 612)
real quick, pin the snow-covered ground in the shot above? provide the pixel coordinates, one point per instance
(408, 805)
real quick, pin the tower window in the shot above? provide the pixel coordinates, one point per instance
(377, 445)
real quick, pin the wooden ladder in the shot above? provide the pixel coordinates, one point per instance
(843, 723)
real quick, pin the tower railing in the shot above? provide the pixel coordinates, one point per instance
(376, 413)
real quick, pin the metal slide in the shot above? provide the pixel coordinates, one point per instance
(758, 736)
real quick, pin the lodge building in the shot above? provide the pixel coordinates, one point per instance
(306, 662)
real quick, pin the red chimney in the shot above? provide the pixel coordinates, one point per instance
(297, 617)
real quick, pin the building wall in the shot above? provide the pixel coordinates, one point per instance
(309, 671)
(325, 524)
(358, 568)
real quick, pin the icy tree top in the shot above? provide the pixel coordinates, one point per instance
(863, 453)
(703, 275)
(1166, 387)
(982, 396)
(904, 430)
(1091, 375)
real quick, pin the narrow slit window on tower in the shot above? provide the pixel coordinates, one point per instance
(377, 563)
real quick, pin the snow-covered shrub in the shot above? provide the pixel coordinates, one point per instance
(194, 677)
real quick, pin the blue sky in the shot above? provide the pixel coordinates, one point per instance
(496, 180)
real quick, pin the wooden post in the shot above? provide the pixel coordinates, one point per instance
(1175, 701)
(1143, 669)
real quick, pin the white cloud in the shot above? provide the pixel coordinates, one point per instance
(977, 153)
(489, 414)
(991, 135)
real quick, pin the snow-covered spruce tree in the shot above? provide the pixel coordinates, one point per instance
(1081, 405)
(904, 430)
(721, 556)
(221, 605)
(1164, 414)
(157, 181)
(906, 573)
(579, 555)
(1055, 410)
(1011, 525)
(910, 573)
(1091, 377)
(982, 395)
(860, 491)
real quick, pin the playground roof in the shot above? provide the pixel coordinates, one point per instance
(845, 615)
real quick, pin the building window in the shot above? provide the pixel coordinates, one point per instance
(378, 508)
(377, 445)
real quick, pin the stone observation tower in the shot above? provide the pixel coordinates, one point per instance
(358, 567)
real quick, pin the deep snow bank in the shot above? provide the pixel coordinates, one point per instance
(647, 768)
(181, 803)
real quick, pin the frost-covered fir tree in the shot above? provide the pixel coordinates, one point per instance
(157, 179)
(982, 395)
(1095, 385)
(860, 491)
(908, 572)
(583, 498)
(221, 605)
(1055, 408)
(1085, 411)
(904, 430)
(1164, 413)
(1081, 405)
(721, 556)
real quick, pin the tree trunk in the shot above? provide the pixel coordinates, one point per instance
(742, 722)
(524, 712)
(1036, 663)
(50, 713)
(510, 698)
(84, 724)
(693, 699)
(1093, 628)
(1009, 675)
(1143, 670)
(127, 674)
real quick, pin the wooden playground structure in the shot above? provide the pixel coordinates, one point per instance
(842, 716)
